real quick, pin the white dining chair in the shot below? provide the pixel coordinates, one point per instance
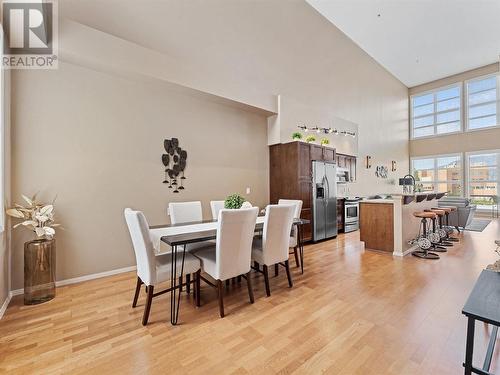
(294, 237)
(185, 212)
(230, 256)
(154, 269)
(216, 206)
(272, 248)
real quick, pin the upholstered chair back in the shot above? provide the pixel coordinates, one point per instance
(276, 234)
(143, 247)
(185, 212)
(297, 203)
(235, 231)
(216, 206)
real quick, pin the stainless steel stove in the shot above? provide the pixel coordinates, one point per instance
(351, 214)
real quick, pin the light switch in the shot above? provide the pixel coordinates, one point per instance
(248, 190)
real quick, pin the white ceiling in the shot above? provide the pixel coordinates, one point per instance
(419, 41)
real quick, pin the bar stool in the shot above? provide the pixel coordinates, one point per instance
(423, 241)
(440, 231)
(448, 229)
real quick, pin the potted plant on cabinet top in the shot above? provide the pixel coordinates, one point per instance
(296, 136)
(310, 139)
(325, 141)
(40, 253)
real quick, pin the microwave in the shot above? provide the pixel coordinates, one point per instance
(343, 176)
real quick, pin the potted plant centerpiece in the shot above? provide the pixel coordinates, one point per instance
(234, 201)
(40, 253)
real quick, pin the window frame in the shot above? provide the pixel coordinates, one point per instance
(458, 84)
(436, 181)
(467, 171)
(466, 101)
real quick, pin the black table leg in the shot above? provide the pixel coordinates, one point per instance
(469, 348)
(301, 247)
(175, 299)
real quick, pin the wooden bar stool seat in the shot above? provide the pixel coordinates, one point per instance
(445, 209)
(425, 215)
(439, 212)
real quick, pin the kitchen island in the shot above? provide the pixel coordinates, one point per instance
(388, 224)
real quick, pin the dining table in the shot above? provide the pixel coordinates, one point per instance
(180, 236)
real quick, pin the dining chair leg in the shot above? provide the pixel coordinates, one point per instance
(197, 287)
(249, 285)
(266, 280)
(147, 308)
(188, 283)
(239, 279)
(276, 269)
(296, 255)
(137, 291)
(256, 264)
(288, 275)
(180, 284)
(220, 290)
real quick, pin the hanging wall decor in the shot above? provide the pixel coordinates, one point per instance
(381, 171)
(174, 161)
(368, 162)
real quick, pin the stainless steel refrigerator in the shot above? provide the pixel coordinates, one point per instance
(324, 200)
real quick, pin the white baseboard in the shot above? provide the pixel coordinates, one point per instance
(5, 304)
(74, 280)
(406, 252)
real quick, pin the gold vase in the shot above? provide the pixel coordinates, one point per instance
(39, 271)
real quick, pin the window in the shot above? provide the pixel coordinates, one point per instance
(483, 178)
(482, 102)
(439, 174)
(436, 112)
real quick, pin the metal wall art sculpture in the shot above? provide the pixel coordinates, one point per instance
(174, 161)
(381, 171)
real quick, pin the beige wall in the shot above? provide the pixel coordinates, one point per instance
(95, 139)
(258, 48)
(461, 142)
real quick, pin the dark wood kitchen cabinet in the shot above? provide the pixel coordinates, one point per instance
(347, 162)
(340, 214)
(322, 153)
(290, 174)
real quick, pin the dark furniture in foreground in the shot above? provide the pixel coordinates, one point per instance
(483, 304)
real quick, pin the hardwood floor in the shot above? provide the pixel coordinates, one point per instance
(352, 312)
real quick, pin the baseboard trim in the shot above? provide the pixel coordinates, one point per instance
(406, 252)
(75, 280)
(5, 304)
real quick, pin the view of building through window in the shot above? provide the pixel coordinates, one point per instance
(443, 174)
(483, 178)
